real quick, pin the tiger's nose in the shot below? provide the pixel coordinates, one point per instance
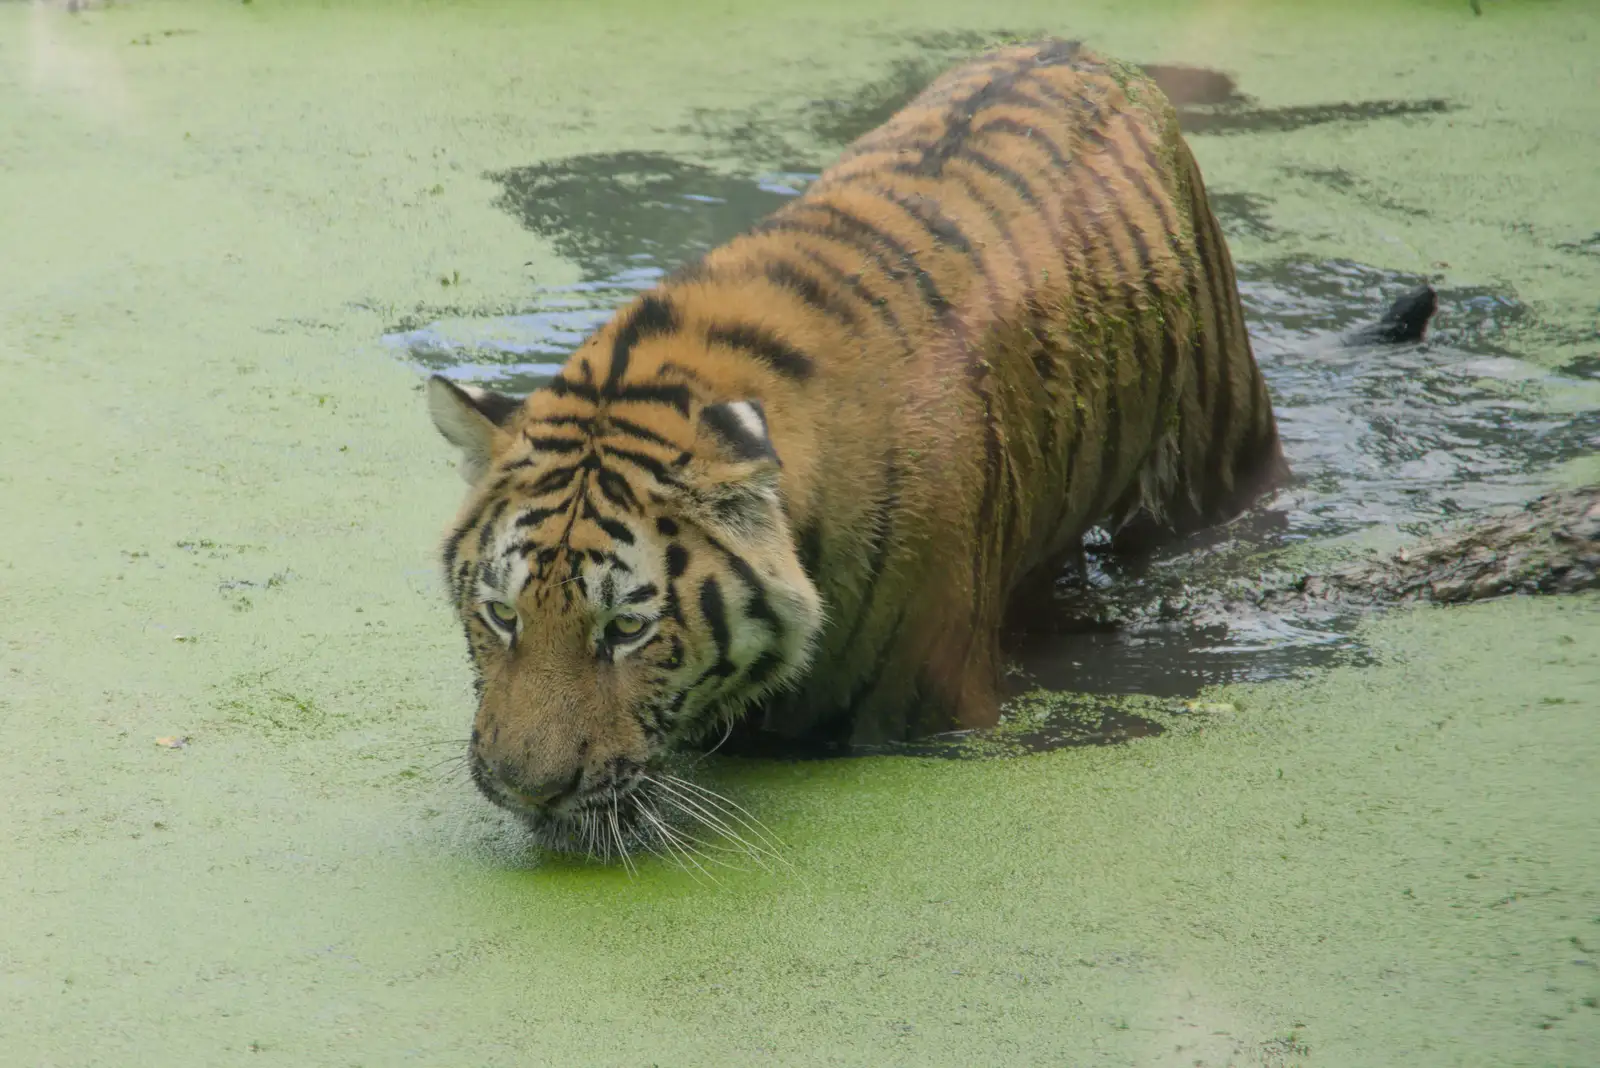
(541, 793)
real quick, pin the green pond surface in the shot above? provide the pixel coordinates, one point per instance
(220, 496)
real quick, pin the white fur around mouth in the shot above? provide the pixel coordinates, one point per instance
(680, 821)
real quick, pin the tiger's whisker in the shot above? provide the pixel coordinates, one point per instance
(698, 849)
(742, 849)
(690, 848)
(686, 804)
(616, 832)
(734, 811)
(673, 845)
(725, 736)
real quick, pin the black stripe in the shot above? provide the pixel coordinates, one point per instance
(616, 530)
(923, 209)
(861, 244)
(808, 546)
(1054, 95)
(655, 467)
(671, 712)
(763, 346)
(687, 274)
(758, 608)
(958, 119)
(640, 594)
(1196, 339)
(762, 668)
(863, 247)
(486, 531)
(565, 387)
(943, 230)
(553, 479)
(583, 423)
(989, 165)
(676, 396)
(453, 542)
(545, 443)
(857, 227)
(1042, 208)
(668, 527)
(716, 616)
(1233, 325)
(1092, 130)
(652, 317)
(993, 468)
(792, 279)
(540, 515)
(1000, 223)
(1207, 274)
(1033, 134)
(1136, 174)
(1170, 397)
(883, 535)
(615, 489)
(628, 426)
(1107, 489)
(682, 371)
(677, 561)
(852, 282)
(865, 687)
(1069, 455)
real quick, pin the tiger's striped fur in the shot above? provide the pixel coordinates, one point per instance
(814, 467)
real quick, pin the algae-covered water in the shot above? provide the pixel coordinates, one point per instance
(219, 226)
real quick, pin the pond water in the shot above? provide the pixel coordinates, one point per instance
(231, 690)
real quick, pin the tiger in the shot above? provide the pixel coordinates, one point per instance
(794, 487)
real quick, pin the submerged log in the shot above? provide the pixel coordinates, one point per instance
(1550, 545)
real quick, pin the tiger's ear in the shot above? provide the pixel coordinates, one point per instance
(735, 467)
(738, 431)
(470, 419)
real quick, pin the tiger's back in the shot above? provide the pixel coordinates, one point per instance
(796, 485)
(1050, 338)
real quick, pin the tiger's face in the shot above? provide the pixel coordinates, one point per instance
(616, 608)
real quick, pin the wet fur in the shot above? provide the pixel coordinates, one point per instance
(827, 456)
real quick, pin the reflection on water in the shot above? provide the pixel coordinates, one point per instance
(1401, 435)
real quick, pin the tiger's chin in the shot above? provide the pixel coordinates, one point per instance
(663, 815)
(595, 833)
(613, 828)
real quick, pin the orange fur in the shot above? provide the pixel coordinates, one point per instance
(1001, 318)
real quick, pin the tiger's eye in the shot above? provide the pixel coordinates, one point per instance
(627, 626)
(503, 613)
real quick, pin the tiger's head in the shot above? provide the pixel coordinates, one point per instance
(628, 582)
